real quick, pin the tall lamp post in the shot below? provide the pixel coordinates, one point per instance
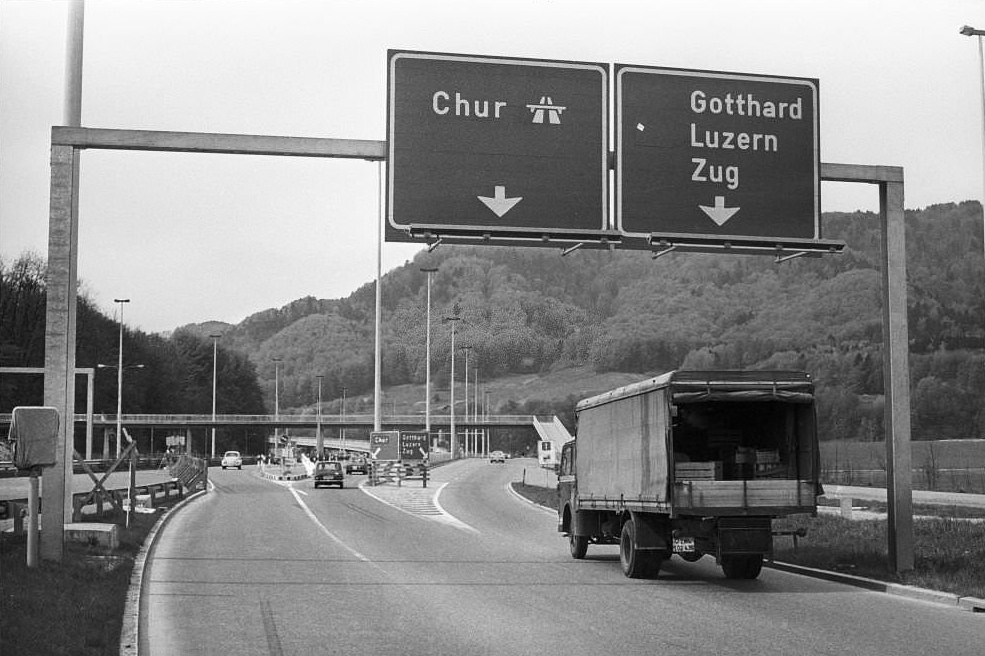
(427, 358)
(319, 441)
(215, 368)
(453, 444)
(967, 30)
(469, 446)
(119, 381)
(276, 362)
(342, 420)
(119, 404)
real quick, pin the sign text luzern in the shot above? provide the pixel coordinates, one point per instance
(496, 145)
(716, 154)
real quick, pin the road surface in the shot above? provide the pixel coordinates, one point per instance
(258, 567)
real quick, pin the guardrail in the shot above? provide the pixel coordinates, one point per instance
(16, 509)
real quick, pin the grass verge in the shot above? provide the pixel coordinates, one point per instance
(948, 551)
(72, 607)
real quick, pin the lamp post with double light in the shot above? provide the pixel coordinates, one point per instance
(276, 362)
(215, 368)
(427, 357)
(469, 446)
(119, 381)
(453, 444)
(319, 441)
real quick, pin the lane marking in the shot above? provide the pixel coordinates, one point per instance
(509, 488)
(336, 539)
(418, 502)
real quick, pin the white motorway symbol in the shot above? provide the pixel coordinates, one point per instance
(499, 203)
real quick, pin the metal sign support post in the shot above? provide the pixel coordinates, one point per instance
(896, 370)
(63, 245)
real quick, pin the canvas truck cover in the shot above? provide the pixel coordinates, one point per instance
(622, 447)
(624, 434)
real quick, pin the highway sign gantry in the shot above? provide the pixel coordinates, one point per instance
(707, 156)
(496, 148)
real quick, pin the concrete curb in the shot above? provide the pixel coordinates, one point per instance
(130, 631)
(972, 604)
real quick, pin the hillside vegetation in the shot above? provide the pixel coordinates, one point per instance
(533, 311)
(530, 314)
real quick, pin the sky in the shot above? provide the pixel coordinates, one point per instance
(191, 238)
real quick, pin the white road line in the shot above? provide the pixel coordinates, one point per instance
(336, 539)
(418, 502)
(509, 488)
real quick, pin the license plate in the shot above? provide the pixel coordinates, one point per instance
(683, 545)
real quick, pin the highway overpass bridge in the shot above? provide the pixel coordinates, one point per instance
(546, 427)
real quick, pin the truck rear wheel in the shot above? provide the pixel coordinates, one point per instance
(578, 545)
(637, 563)
(747, 566)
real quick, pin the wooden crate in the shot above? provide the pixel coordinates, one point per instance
(743, 494)
(698, 471)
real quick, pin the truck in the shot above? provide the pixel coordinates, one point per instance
(691, 463)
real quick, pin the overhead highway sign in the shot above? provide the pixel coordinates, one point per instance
(705, 157)
(496, 148)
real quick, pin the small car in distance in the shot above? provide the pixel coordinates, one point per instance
(497, 456)
(328, 473)
(232, 459)
(357, 466)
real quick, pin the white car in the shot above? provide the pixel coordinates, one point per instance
(232, 459)
(497, 456)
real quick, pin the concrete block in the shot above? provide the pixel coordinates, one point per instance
(974, 604)
(106, 536)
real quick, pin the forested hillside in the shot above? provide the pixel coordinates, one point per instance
(531, 310)
(176, 376)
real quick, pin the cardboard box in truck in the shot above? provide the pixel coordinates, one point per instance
(693, 463)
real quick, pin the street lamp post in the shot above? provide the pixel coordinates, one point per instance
(276, 362)
(119, 381)
(319, 441)
(469, 447)
(215, 367)
(119, 407)
(453, 444)
(967, 30)
(427, 359)
(342, 420)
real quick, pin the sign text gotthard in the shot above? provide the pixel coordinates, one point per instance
(740, 104)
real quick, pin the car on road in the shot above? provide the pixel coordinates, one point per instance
(232, 459)
(357, 466)
(497, 456)
(328, 473)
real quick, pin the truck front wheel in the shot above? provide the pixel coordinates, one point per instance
(746, 566)
(578, 545)
(637, 563)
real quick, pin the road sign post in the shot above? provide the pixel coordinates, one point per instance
(496, 148)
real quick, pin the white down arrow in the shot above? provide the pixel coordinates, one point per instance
(499, 203)
(719, 213)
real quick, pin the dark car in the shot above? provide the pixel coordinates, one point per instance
(357, 466)
(328, 473)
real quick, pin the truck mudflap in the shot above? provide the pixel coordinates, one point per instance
(745, 535)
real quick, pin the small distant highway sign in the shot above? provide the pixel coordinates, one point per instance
(383, 445)
(495, 148)
(716, 155)
(413, 445)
